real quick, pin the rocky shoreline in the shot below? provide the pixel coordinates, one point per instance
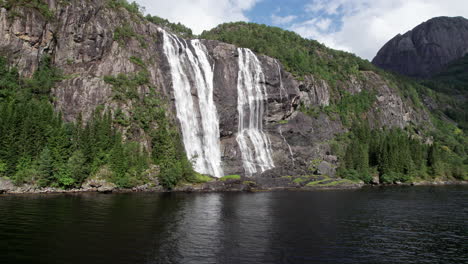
(8, 188)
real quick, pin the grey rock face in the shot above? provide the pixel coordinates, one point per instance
(425, 50)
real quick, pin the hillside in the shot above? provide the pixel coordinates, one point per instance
(94, 91)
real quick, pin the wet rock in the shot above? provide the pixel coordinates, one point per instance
(375, 179)
(99, 185)
(6, 185)
(325, 168)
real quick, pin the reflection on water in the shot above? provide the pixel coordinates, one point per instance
(389, 225)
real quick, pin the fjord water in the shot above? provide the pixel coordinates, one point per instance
(372, 225)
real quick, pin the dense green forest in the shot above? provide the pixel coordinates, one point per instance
(37, 147)
(396, 155)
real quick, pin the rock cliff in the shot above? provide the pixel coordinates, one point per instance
(425, 50)
(81, 38)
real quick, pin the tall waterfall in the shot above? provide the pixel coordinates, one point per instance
(254, 144)
(190, 67)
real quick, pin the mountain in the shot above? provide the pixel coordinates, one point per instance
(425, 50)
(94, 91)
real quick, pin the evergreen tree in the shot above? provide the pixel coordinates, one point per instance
(45, 168)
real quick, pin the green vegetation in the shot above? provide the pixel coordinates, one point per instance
(178, 28)
(324, 183)
(200, 178)
(137, 11)
(230, 177)
(125, 32)
(395, 155)
(37, 5)
(126, 86)
(451, 91)
(349, 108)
(249, 183)
(314, 183)
(133, 7)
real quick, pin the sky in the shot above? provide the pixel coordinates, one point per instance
(358, 26)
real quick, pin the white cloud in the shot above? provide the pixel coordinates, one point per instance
(324, 24)
(199, 15)
(368, 24)
(279, 20)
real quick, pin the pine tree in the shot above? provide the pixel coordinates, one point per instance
(45, 168)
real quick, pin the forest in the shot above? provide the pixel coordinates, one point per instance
(37, 147)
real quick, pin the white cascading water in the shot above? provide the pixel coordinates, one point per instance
(282, 90)
(254, 144)
(199, 122)
(289, 146)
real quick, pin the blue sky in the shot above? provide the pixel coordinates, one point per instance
(357, 26)
(277, 13)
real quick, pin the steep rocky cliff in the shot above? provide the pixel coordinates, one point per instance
(425, 50)
(90, 40)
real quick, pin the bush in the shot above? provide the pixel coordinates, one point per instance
(355, 175)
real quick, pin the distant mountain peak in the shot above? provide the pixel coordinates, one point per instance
(425, 50)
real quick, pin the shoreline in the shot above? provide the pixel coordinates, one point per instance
(213, 187)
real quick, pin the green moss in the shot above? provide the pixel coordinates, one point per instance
(299, 180)
(230, 177)
(200, 178)
(324, 183)
(313, 183)
(307, 178)
(249, 183)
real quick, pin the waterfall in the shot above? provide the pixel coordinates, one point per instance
(289, 146)
(282, 90)
(254, 144)
(190, 67)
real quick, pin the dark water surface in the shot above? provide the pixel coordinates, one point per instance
(372, 225)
